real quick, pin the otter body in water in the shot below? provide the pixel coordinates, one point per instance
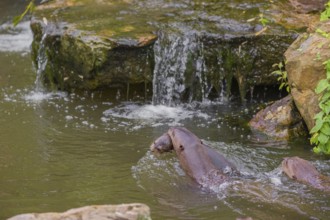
(303, 171)
(203, 164)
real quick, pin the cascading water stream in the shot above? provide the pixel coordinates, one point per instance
(179, 69)
(41, 65)
(39, 93)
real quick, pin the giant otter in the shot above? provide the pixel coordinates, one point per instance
(203, 164)
(303, 171)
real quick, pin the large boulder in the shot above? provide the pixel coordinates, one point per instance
(305, 69)
(86, 45)
(133, 211)
(281, 120)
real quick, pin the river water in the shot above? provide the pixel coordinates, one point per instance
(59, 151)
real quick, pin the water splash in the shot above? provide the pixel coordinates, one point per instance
(150, 115)
(35, 96)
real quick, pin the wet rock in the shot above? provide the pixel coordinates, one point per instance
(284, 14)
(305, 69)
(307, 6)
(78, 57)
(205, 48)
(98, 212)
(281, 120)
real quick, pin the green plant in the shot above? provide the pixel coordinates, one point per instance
(264, 21)
(29, 8)
(321, 131)
(325, 15)
(282, 76)
(323, 33)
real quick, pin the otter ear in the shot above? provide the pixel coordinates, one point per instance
(294, 177)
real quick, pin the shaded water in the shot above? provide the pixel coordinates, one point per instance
(59, 151)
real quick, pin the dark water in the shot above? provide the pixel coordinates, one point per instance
(59, 151)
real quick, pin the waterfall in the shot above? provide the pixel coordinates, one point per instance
(179, 73)
(41, 64)
(39, 93)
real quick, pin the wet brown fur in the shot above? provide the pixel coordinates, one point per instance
(199, 161)
(303, 171)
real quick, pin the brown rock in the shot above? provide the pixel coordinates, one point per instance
(305, 69)
(283, 14)
(133, 211)
(280, 120)
(307, 6)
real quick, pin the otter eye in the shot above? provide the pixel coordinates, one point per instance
(181, 147)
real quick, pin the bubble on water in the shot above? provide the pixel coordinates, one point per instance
(68, 117)
(276, 181)
(85, 123)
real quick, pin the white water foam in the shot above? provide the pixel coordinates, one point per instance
(36, 97)
(15, 39)
(152, 115)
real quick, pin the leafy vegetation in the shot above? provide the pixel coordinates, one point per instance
(325, 15)
(282, 76)
(29, 8)
(321, 131)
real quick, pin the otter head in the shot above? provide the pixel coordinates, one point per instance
(297, 168)
(182, 138)
(162, 144)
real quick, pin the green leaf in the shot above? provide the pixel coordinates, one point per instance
(29, 8)
(280, 65)
(325, 96)
(319, 116)
(17, 19)
(326, 129)
(316, 128)
(276, 72)
(323, 139)
(284, 74)
(321, 86)
(327, 148)
(316, 150)
(314, 139)
(275, 65)
(327, 107)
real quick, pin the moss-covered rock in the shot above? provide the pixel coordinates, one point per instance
(90, 44)
(78, 58)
